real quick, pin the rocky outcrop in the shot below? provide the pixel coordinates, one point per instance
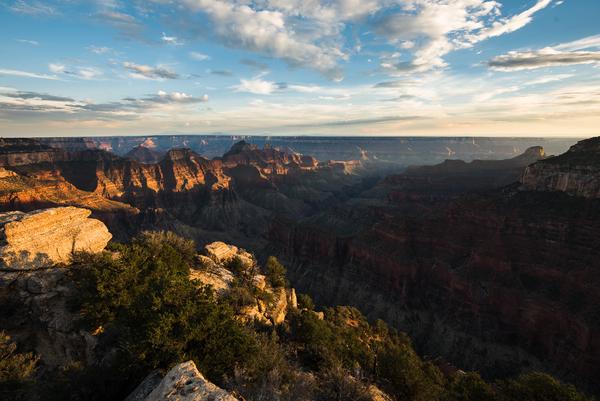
(269, 305)
(35, 293)
(182, 383)
(576, 172)
(47, 237)
(37, 314)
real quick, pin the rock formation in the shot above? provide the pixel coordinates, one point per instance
(182, 383)
(576, 172)
(39, 316)
(212, 270)
(144, 154)
(47, 237)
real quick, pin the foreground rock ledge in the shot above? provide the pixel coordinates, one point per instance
(183, 383)
(47, 237)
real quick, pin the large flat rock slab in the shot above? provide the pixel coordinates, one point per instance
(47, 237)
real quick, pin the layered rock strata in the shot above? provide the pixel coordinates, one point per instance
(44, 238)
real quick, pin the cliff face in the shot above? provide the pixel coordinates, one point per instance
(499, 281)
(576, 172)
(236, 194)
(47, 237)
(34, 293)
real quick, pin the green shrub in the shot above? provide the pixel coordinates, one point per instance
(275, 272)
(469, 387)
(144, 298)
(305, 302)
(538, 386)
(16, 370)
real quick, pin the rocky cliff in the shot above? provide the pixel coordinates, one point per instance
(236, 194)
(47, 237)
(499, 280)
(576, 172)
(34, 293)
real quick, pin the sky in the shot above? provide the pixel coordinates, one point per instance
(300, 67)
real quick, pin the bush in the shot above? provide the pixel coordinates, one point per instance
(275, 272)
(144, 298)
(305, 302)
(538, 386)
(16, 370)
(469, 387)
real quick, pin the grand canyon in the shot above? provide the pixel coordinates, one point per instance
(487, 264)
(299, 200)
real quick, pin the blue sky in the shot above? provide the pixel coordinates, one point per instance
(335, 67)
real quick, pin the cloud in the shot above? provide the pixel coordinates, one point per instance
(28, 41)
(582, 51)
(223, 73)
(170, 40)
(34, 95)
(548, 57)
(360, 121)
(590, 42)
(199, 56)
(32, 8)
(87, 73)
(393, 84)
(139, 71)
(56, 68)
(175, 97)
(254, 64)
(125, 23)
(258, 86)
(26, 74)
(266, 30)
(33, 105)
(512, 24)
(435, 28)
(99, 49)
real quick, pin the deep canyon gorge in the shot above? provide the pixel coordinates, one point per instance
(489, 264)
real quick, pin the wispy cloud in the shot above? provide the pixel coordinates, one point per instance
(32, 8)
(582, 51)
(27, 74)
(87, 73)
(99, 49)
(199, 56)
(254, 64)
(514, 61)
(35, 95)
(29, 42)
(223, 73)
(170, 40)
(140, 71)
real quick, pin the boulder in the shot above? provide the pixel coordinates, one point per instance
(221, 252)
(185, 383)
(219, 278)
(47, 237)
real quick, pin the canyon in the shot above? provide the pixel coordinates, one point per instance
(489, 263)
(491, 269)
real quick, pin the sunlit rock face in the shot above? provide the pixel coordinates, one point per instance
(576, 172)
(48, 237)
(35, 281)
(182, 383)
(213, 270)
